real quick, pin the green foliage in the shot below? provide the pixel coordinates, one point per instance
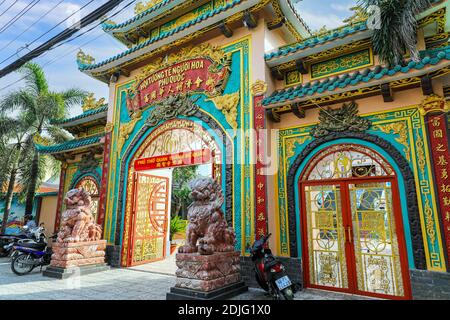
(181, 193)
(38, 107)
(177, 225)
(398, 33)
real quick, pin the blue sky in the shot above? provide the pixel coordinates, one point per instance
(60, 65)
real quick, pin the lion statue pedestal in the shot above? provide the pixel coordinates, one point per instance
(78, 249)
(208, 265)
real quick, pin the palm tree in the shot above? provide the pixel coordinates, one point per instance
(41, 107)
(15, 147)
(398, 32)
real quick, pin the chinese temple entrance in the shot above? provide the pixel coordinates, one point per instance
(150, 219)
(352, 226)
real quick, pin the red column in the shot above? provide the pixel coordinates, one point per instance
(105, 175)
(258, 90)
(434, 109)
(62, 179)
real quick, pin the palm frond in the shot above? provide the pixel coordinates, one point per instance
(35, 78)
(57, 134)
(20, 100)
(398, 32)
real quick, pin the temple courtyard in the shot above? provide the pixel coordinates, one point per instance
(142, 283)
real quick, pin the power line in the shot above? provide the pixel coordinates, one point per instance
(9, 7)
(19, 15)
(1, 3)
(47, 32)
(71, 51)
(32, 25)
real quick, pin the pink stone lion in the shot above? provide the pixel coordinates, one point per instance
(207, 224)
(77, 222)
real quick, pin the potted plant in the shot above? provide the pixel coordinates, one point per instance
(177, 225)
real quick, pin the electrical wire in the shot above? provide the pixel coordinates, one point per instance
(50, 62)
(47, 32)
(1, 3)
(9, 8)
(32, 25)
(19, 15)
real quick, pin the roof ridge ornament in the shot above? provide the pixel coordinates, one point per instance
(84, 59)
(342, 119)
(142, 6)
(90, 103)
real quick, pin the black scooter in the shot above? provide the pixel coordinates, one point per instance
(269, 272)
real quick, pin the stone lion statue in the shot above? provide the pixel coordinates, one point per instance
(207, 231)
(77, 222)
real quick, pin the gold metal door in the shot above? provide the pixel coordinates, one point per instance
(375, 235)
(325, 237)
(150, 219)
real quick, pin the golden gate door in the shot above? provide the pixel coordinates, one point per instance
(150, 219)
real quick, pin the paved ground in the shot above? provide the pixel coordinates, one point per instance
(116, 284)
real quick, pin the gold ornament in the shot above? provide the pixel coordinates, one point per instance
(228, 105)
(90, 103)
(40, 140)
(84, 59)
(126, 129)
(433, 103)
(259, 88)
(141, 6)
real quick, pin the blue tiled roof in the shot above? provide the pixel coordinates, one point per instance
(431, 57)
(317, 40)
(144, 44)
(107, 26)
(84, 115)
(69, 145)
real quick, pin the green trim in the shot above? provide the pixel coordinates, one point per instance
(356, 78)
(83, 115)
(69, 145)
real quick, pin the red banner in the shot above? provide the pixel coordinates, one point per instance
(196, 75)
(261, 179)
(174, 160)
(437, 128)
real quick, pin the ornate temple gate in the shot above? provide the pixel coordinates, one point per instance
(352, 226)
(149, 219)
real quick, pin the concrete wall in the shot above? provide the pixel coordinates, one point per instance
(48, 213)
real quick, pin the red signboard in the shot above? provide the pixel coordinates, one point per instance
(195, 75)
(261, 179)
(437, 129)
(174, 160)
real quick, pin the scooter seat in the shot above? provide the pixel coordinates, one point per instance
(36, 246)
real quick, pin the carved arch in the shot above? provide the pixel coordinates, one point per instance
(406, 174)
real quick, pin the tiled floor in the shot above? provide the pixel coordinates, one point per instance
(138, 283)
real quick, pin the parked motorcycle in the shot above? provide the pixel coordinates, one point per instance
(35, 235)
(6, 244)
(269, 272)
(31, 256)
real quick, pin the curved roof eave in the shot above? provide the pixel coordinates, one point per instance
(445, 62)
(298, 23)
(330, 44)
(143, 17)
(135, 52)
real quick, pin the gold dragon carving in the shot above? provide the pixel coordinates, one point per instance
(228, 104)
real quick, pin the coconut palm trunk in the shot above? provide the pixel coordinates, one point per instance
(31, 191)
(9, 198)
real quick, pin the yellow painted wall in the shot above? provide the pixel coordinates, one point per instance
(48, 213)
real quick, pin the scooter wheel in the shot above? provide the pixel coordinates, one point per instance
(288, 294)
(20, 264)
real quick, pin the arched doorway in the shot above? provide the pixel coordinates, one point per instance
(89, 184)
(147, 211)
(352, 229)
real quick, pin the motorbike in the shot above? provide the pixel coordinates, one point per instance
(31, 256)
(269, 272)
(34, 235)
(6, 244)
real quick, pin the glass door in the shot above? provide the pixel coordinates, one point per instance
(376, 244)
(325, 237)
